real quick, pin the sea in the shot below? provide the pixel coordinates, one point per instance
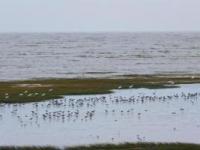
(81, 55)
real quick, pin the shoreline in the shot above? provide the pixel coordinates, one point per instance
(124, 146)
(37, 90)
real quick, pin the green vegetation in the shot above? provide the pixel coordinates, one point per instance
(45, 89)
(127, 146)
(140, 146)
(28, 148)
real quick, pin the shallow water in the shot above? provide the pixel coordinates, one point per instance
(144, 115)
(25, 56)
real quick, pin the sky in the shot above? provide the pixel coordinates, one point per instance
(99, 15)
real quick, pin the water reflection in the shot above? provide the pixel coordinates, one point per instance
(167, 115)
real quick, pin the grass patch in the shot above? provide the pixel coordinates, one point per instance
(45, 89)
(27, 148)
(139, 146)
(126, 146)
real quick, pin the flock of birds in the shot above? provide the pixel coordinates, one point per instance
(26, 93)
(84, 109)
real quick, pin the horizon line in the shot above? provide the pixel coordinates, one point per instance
(96, 32)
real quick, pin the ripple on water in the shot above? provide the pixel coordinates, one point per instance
(25, 56)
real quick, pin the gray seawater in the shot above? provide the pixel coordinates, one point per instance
(25, 56)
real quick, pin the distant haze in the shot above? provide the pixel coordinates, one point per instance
(99, 15)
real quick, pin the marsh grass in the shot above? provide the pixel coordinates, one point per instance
(28, 148)
(126, 146)
(140, 146)
(12, 92)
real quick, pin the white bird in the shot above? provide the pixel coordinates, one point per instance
(21, 94)
(119, 87)
(50, 90)
(43, 94)
(29, 95)
(171, 82)
(131, 86)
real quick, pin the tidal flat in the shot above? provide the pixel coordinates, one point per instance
(126, 115)
(45, 89)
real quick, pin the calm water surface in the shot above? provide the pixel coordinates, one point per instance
(134, 115)
(25, 56)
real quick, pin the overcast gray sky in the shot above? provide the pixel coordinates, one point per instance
(99, 15)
